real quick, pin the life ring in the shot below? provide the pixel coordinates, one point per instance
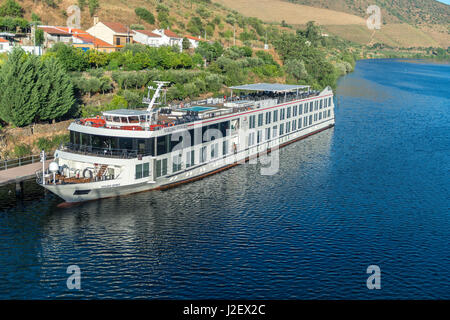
(87, 174)
(170, 124)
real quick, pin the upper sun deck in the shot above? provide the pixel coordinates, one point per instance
(250, 97)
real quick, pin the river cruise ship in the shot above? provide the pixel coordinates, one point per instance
(127, 151)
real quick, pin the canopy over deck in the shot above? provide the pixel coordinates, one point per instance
(270, 87)
(125, 112)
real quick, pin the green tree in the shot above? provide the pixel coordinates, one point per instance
(58, 99)
(93, 6)
(73, 59)
(11, 9)
(39, 37)
(186, 44)
(19, 96)
(145, 15)
(296, 68)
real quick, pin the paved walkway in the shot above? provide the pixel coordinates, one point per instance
(21, 173)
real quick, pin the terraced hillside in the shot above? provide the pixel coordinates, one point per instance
(422, 23)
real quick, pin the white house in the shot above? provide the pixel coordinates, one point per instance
(193, 41)
(5, 46)
(148, 38)
(169, 38)
(113, 33)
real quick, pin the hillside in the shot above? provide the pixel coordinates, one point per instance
(416, 12)
(425, 23)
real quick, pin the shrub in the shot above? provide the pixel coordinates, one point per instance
(22, 150)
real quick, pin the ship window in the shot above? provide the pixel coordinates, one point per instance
(310, 119)
(252, 122)
(161, 168)
(224, 127)
(288, 112)
(294, 111)
(176, 163)
(260, 119)
(258, 136)
(225, 147)
(328, 113)
(315, 117)
(162, 145)
(108, 118)
(300, 109)
(294, 125)
(281, 129)
(267, 133)
(288, 127)
(142, 170)
(126, 143)
(268, 117)
(124, 119)
(214, 150)
(116, 119)
(202, 154)
(306, 108)
(305, 121)
(321, 104)
(282, 114)
(251, 139)
(133, 119)
(190, 158)
(299, 123)
(320, 115)
(274, 131)
(329, 101)
(275, 115)
(311, 106)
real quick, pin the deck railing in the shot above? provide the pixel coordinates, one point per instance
(101, 152)
(18, 162)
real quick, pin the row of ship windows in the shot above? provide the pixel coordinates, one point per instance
(161, 169)
(287, 113)
(142, 170)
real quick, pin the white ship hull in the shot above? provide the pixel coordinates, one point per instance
(160, 171)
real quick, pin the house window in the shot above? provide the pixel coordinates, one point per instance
(118, 41)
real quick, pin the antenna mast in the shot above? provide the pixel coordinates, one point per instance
(153, 101)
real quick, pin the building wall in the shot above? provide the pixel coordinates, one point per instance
(144, 39)
(102, 32)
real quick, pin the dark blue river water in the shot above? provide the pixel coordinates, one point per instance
(372, 191)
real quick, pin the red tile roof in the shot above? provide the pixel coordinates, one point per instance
(87, 38)
(193, 38)
(171, 34)
(116, 27)
(72, 30)
(55, 30)
(148, 33)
